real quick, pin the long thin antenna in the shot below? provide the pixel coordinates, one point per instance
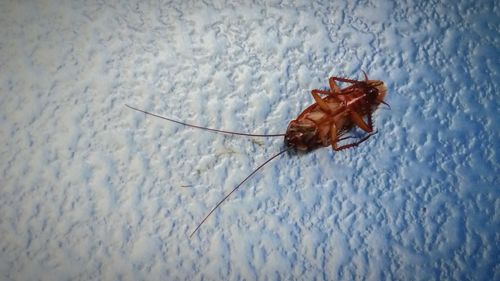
(204, 128)
(229, 194)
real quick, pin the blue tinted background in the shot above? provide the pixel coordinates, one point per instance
(91, 190)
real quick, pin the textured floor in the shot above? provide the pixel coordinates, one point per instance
(91, 190)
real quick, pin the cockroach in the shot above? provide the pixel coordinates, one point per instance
(327, 122)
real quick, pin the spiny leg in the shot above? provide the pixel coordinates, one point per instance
(354, 144)
(321, 92)
(333, 136)
(344, 138)
(358, 120)
(366, 76)
(346, 91)
(334, 89)
(322, 104)
(335, 78)
(333, 86)
(325, 92)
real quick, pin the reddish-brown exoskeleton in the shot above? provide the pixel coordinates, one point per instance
(326, 122)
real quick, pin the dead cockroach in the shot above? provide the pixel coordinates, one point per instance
(335, 113)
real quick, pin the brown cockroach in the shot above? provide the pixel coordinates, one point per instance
(335, 113)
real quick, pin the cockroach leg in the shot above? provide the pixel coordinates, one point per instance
(370, 122)
(333, 136)
(330, 93)
(354, 144)
(385, 104)
(366, 76)
(322, 104)
(344, 80)
(333, 86)
(321, 92)
(358, 120)
(344, 138)
(334, 89)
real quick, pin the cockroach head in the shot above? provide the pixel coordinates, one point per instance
(302, 135)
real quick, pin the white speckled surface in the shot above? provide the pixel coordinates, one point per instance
(90, 189)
